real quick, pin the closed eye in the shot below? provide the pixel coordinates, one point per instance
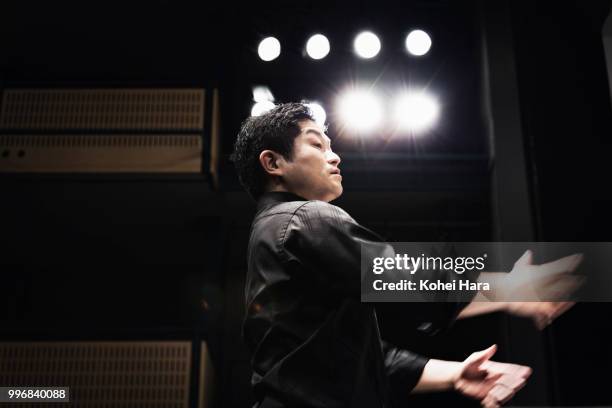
(318, 145)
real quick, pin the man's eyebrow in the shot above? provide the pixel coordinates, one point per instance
(316, 132)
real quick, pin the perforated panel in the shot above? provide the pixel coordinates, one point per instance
(103, 109)
(101, 153)
(102, 374)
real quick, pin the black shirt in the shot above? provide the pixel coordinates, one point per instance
(313, 343)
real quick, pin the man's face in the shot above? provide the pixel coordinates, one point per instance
(313, 172)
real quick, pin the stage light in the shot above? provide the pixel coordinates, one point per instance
(360, 110)
(262, 94)
(318, 112)
(269, 49)
(416, 111)
(317, 46)
(367, 45)
(418, 42)
(261, 107)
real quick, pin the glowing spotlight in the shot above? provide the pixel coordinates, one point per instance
(416, 112)
(418, 42)
(367, 45)
(317, 46)
(318, 113)
(360, 110)
(269, 49)
(262, 94)
(261, 107)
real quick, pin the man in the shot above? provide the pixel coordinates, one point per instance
(313, 343)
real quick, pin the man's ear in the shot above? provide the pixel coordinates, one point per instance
(271, 162)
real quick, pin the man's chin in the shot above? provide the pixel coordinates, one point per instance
(337, 193)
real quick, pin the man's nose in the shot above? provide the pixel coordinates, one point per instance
(333, 158)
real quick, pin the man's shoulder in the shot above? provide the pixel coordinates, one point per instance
(305, 208)
(324, 211)
(311, 216)
(283, 208)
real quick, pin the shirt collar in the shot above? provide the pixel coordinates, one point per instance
(271, 198)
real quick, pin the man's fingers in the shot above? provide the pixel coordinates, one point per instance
(561, 308)
(545, 312)
(477, 358)
(528, 285)
(525, 259)
(549, 311)
(542, 321)
(501, 382)
(513, 378)
(503, 390)
(552, 310)
(507, 368)
(562, 265)
(476, 389)
(512, 382)
(561, 288)
(501, 393)
(489, 401)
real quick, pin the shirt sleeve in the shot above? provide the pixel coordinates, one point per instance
(403, 370)
(328, 241)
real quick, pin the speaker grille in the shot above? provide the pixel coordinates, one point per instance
(101, 153)
(103, 109)
(102, 374)
(85, 141)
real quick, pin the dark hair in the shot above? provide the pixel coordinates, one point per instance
(274, 130)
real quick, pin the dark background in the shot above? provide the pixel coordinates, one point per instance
(163, 257)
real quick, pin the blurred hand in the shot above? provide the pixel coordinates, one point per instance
(542, 313)
(551, 283)
(490, 382)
